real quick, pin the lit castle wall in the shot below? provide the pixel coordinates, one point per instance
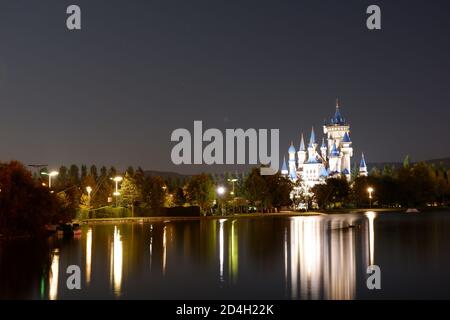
(333, 159)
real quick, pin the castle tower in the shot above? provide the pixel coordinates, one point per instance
(336, 129)
(347, 153)
(284, 170)
(292, 165)
(333, 161)
(363, 167)
(323, 150)
(301, 153)
(312, 147)
(337, 132)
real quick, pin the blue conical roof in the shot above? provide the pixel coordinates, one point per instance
(284, 167)
(346, 138)
(312, 140)
(345, 171)
(337, 119)
(291, 148)
(363, 162)
(323, 172)
(302, 144)
(334, 151)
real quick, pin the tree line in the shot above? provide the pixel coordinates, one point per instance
(245, 192)
(410, 185)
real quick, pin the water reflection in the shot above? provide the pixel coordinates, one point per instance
(371, 217)
(310, 257)
(151, 246)
(233, 254)
(116, 261)
(164, 260)
(88, 255)
(53, 276)
(221, 248)
(321, 261)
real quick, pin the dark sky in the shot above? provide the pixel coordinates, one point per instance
(113, 92)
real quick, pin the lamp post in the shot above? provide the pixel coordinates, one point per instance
(116, 193)
(50, 175)
(370, 190)
(89, 190)
(232, 181)
(220, 193)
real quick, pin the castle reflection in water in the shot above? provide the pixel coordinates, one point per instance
(320, 256)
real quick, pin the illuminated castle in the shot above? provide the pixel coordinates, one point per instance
(312, 165)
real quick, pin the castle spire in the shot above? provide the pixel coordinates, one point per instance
(291, 148)
(284, 170)
(363, 161)
(312, 140)
(363, 167)
(302, 143)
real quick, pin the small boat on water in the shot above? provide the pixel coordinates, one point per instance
(412, 210)
(68, 230)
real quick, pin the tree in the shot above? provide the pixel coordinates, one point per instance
(179, 199)
(26, 206)
(279, 189)
(256, 190)
(200, 191)
(406, 162)
(74, 175)
(129, 192)
(93, 172)
(63, 178)
(84, 172)
(334, 192)
(154, 192)
(130, 171)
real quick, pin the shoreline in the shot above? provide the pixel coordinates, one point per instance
(192, 218)
(253, 215)
(234, 216)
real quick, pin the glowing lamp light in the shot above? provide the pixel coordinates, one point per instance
(220, 190)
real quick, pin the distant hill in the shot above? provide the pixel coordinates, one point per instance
(436, 162)
(370, 165)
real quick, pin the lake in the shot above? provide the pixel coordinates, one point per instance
(310, 257)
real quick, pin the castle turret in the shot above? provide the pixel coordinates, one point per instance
(363, 167)
(292, 165)
(323, 149)
(312, 147)
(347, 153)
(301, 153)
(284, 170)
(333, 160)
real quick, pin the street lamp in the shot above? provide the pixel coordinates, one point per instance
(232, 181)
(370, 190)
(89, 190)
(220, 191)
(50, 175)
(116, 193)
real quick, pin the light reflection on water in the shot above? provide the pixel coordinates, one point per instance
(116, 262)
(54, 276)
(311, 257)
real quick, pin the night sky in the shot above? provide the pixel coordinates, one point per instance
(112, 93)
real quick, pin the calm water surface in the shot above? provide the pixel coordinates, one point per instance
(251, 258)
